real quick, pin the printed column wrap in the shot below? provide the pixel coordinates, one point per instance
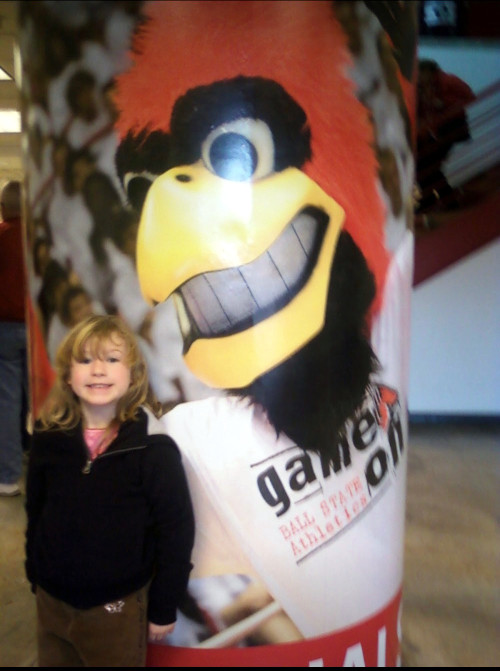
(235, 179)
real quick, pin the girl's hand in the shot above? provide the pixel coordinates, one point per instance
(156, 632)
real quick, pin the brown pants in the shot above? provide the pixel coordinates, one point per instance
(111, 635)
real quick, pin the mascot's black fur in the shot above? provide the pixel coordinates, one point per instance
(310, 396)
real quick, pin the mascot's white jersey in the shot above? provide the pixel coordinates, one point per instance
(326, 544)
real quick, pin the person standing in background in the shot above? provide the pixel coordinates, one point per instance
(13, 355)
(442, 123)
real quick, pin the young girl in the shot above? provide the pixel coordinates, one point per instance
(110, 522)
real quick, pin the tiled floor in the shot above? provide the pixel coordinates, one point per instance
(451, 607)
(451, 591)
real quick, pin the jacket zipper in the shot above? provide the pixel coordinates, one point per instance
(88, 464)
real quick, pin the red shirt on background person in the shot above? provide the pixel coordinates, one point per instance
(441, 97)
(12, 273)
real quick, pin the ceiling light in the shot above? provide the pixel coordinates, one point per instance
(10, 121)
(4, 76)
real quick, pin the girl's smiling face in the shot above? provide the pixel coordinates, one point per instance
(101, 377)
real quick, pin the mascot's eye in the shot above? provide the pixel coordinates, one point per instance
(233, 157)
(240, 150)
(137, 187)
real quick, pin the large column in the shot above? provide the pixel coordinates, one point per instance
(236, 180)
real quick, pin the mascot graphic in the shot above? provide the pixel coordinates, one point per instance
(262, 152)
(254, 168)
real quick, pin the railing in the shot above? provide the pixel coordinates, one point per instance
(482, 152)
(449, 161)
(467, 215)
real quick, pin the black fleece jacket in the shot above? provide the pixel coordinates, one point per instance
(96, 534)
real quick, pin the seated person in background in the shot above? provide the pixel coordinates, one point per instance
(75, 304)
(55, 280)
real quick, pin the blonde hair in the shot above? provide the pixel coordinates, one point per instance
(62, 409)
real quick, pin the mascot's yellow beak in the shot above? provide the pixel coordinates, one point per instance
(248, 264)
